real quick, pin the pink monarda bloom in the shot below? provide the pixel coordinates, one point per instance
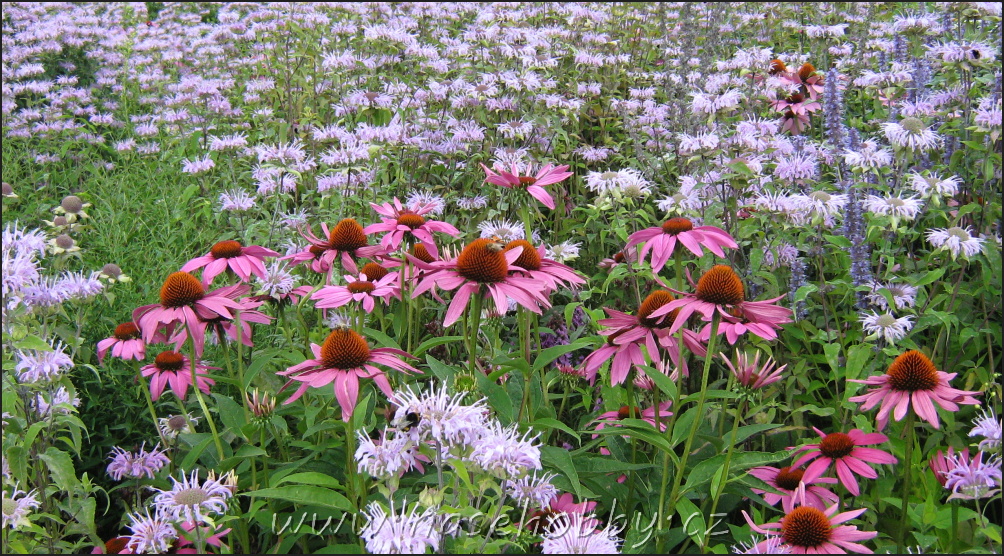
(792, 489)
(360, 289)
(483, 267)
(627, 334)
(846, 452)
(809, 530)
(125, 343)
(183, 301)
(612, 418)
(518, 178)
(661, 241)
(344, 358)
(750, 374)
(912, 381)
(243, 261)
(399, 221)
(721, 290)
(174, 369)
(532, 263)
(344, 241)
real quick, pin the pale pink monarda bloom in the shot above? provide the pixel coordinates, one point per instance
(482, 268)
(533, 263)
(809, 530)
(792, 490)
(360, 289)
(126, 342)
(627, 334)
(912, 382)
(183, 301)
(845, 452)
(174, 369)
(941, 463)
(721, 291)
(343, 359)
(662, 240)
(243, 261)
(399, 221)
(518, 177)
(750, 374)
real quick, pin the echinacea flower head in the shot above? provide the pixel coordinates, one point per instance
(345, 241)
(405, 533)
(125, 342)
(612, 418)
(911, 134)
(577, 534)
(183, 301)
(886, 326)
(809, 530)
(150, 535)
(912, 382)
(243, 261)
(956, 240)
(17, 508)
(662, 240)
(484, 268)
(988, 426)
(750, 374)
(846, 452)
(792, 490)
(399, 222)
(974, 479)
(174, 369)
(362, 289)
(191, 500)
(521, 176)
(721, 291)
(343, 359)
(533, 262)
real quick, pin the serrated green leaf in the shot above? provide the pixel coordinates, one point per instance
(561, 459)
(60, 466)
(305, 495)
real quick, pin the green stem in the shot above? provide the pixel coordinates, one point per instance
(202, 401)
(149, 405)
(908, 462)
(678, 478)
(725, 473)
(472, 333)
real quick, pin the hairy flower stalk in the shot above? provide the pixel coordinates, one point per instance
(833, 109)
(855, 230)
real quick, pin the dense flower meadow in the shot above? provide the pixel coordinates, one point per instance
(502, 277)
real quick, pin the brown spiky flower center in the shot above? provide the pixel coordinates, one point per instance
(806, 71)
(411, 220)
(360, 286)
(656, 299)
(126, 331)
(776, 67)
(836, 445)
(806, 527)
(788, 478)
(347, 235)
(677, 225)
(344, 349)
(527, 180)
(482, 261)
(628, 411)
(317, 251)
(421, 253)
(721, 286)
(226, 249)
(180, 289)
(374, 272)
(529, 258)
(169, 361)
(912, 371)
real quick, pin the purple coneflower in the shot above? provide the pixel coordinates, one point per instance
(399, 221)
(174, 369)
(243, 261)
(521, 176)
(125, 343)
(845, 451)
(792, 489)
(808, 530)
(662, 240)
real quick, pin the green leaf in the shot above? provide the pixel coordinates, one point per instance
(381, 338)
(442, 372)
(857, 357)
(33, 342)
(548, 423)
(550, 354)
(561, 459)
(305, 495)
(311, 478)
(931, 277)
(60, 467)
(497, 398)
(433, 342)
(693, 520)
(231, 413)
(663, 382)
